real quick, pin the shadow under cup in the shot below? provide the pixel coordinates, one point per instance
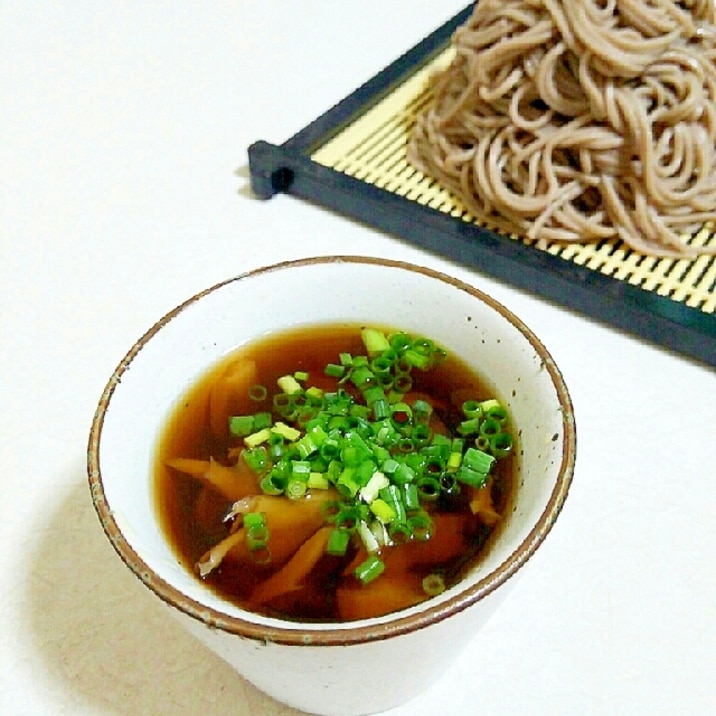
(369, 665)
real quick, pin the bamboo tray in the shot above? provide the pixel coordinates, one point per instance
(352, 160)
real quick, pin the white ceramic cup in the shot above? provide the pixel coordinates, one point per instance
(369, 665)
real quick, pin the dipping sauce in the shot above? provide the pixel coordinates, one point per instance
(333, 473)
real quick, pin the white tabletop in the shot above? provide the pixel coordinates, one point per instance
(123, 136)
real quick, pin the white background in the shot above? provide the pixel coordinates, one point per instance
(124, 190)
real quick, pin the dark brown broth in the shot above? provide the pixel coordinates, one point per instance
(191, 514)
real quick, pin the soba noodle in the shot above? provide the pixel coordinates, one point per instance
(580, 120)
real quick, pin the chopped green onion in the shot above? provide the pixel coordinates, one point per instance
(318, 464)
(472, 409)
(470, 476)
(382, 510)
(373, 393)
(261, 436)
(286, 431)
(374, 341)
(338, 542)
(382, 365)
(385, 380)
(428, 488)
(276, 447)
(365, 471)
(368, 537)
(358, 419)
(490, 426)
(421, 526)
(454, 461)
(348, 518)
(379, 531)
(385, 433)
(403, 383)
(369, 569)
(289, 384)
(362, 377)
(438, 452)
(433, 585)
(405, 445)
(439, 355)
(315, 394)
(501, 444)
(282, 404)
(423, 346)
(333, 471)
(478, 460)
(346, 484)
(258, 392)
(499, 413)
(390, 466)
(411, 497)
(330, 509)
(417, 359)
(329, 449)
(449, 484)
(253, 520)
(392, 496)
(241, 425)
(487, 405)
(333, 370)
(257, 533)
(433, 465)
(422, 410)
(311, 441)
(371, 489)
(273, 483)
(262, 420)
(400, 342)
(358, 440)
(469, 426)
(296, 488)
(305, 416)
(301, 469)
(401, 414)
(389, 355)
(257, 538)
(351, 455)
(400, 532)
(402, 367)
(380, 453)
(256, 458)
(381, 409)
(416, 461)
(420, 435)
(318, 481)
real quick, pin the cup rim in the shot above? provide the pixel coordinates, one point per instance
(362, 631)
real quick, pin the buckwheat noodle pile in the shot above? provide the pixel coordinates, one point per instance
(580, 120)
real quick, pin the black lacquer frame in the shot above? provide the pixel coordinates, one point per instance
(289, 168)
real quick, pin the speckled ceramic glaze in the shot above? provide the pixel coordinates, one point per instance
(324, 668)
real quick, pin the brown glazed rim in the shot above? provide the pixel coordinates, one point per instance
(341, 635)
